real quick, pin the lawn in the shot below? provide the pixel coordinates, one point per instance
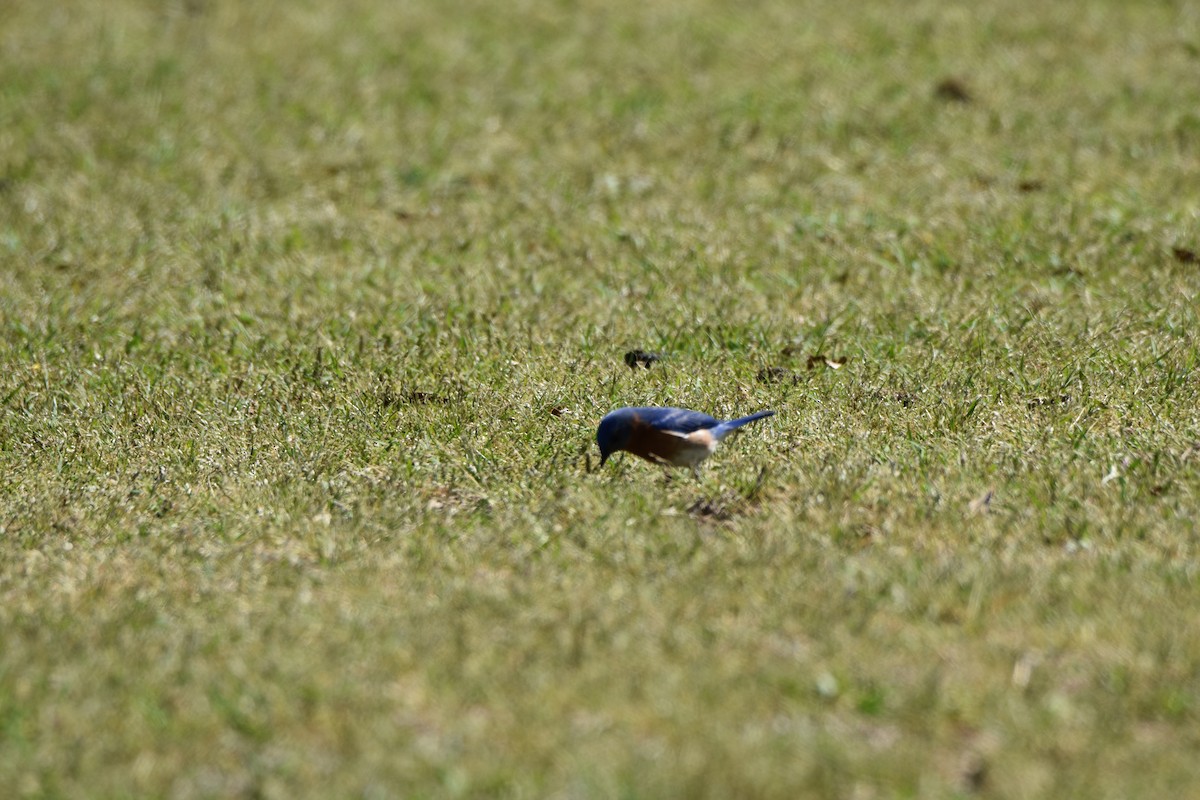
(310, 311)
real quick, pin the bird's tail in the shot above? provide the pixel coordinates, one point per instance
(733, 424)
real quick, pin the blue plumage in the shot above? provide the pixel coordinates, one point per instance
(675, 436)
(680, 420)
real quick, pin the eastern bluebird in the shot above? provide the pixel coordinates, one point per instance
(674, 436)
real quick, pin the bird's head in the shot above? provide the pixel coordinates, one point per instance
(613, 433)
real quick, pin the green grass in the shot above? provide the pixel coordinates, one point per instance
(310, 310)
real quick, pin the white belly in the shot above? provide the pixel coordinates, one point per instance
(697, 446)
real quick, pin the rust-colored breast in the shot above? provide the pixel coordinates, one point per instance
(654, 445)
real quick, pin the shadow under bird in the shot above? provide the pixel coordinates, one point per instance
(675, 437)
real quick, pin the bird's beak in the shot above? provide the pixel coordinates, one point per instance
(603, 458)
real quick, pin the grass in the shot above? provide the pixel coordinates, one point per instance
(310, 311)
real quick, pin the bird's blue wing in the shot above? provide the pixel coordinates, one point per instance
(675, 420)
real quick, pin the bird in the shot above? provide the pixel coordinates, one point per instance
(675, 437)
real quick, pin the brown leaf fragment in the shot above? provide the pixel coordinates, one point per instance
(776, 375)
(635, 357)
(1185, 255)
(953, 90)
(820, 359)
(1030, 185)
